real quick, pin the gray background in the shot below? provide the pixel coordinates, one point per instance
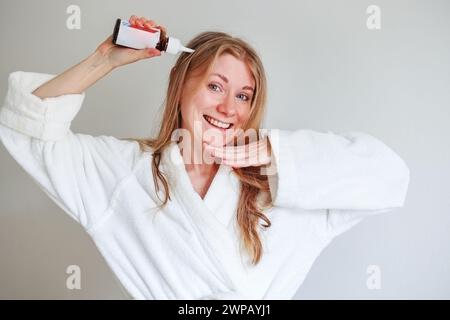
(326, 71)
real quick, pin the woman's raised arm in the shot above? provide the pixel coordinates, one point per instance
(79, 172)
(103, 60)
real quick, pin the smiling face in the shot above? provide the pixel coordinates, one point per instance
(218, 103)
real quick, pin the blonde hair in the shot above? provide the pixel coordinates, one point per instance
(208, 47)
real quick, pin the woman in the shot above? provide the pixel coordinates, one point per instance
(172, 227)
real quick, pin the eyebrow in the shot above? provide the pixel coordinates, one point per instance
(226, 80)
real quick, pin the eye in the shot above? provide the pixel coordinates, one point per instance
(213, 87)
(244, 97)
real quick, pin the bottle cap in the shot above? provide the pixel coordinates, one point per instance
(174, 46)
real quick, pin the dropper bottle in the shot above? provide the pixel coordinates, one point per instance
(137, 37)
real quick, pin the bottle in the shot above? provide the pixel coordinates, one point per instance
(137, 37)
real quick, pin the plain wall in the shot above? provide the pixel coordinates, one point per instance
(326, 71)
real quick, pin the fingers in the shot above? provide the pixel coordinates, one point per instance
(149, 24)
(138, 21)
(239, 152)
(144, 22)
(152, 52)
(255, 153)
(146, 53)
(140, 54)
(132, 20)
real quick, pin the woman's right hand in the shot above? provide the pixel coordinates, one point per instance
(105, 58)
(119, 56)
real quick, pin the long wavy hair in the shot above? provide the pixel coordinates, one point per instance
(255, 193)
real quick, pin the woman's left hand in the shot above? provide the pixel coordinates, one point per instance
(256, 153)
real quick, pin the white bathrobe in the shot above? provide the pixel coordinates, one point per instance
(325, 184)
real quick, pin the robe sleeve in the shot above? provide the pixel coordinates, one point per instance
(79, 172)
(350, 175)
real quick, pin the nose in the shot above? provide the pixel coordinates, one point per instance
(227, 106)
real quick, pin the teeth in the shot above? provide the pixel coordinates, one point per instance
(217, 123)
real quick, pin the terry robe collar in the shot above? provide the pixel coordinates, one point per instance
(213, 219)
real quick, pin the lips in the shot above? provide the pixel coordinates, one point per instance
(208, 118)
